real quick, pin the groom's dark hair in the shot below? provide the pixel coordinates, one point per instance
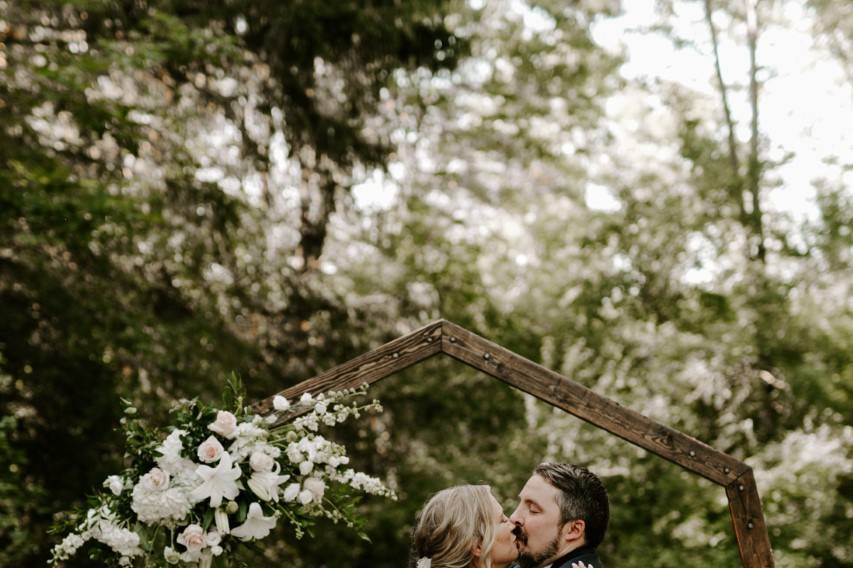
(582, 496)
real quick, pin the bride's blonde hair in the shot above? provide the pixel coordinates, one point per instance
(451, 524)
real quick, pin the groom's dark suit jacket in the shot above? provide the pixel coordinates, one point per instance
(585, 554)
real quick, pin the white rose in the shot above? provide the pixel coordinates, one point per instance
(261, 461)
(225, 425)
(210, 450)
(306, 467)
(192, 538)
(316, 486)
(155, 480)
(291, 492)
(305, 496)
(306, 398)
(216, 550)
(280, 403)
(115, 483)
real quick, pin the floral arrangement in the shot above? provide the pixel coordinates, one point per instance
(218, 480)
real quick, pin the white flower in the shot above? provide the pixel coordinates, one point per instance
(212, 538)
(316, 486)
(291, 492)
(231, 507)
(221, 518)
(115, 483)
(261, 461)
(265, 484)
(123, 541)
(306, 398)
(69, 545)
(256, 526)
(155, 480)
(293, 454)
(306, 467)
(280, 403)
(210, 450)
(155, 499)
(171, 555)
(305, 497)
(217, 482)
(193, 538)
(171, 460)
(225, 425)
(320, 408)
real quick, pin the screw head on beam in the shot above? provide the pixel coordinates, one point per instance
(692, 454)
(749, 525)
(396, 355)
(727, 469)
(486, 356)
(452, 339)
(740, 487)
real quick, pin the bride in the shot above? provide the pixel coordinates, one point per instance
(464, 527)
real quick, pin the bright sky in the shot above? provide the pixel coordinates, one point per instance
(805, 107)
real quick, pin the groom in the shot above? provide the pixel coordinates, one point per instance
(561, 517)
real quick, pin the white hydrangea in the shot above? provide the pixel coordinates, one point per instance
(160, 500)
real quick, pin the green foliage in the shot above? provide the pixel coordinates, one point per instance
(175, 205)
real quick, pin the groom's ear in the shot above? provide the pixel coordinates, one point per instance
(574, 531)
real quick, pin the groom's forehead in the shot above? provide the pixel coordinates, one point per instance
(538, 490)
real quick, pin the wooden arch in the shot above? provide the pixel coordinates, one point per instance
(446, 337)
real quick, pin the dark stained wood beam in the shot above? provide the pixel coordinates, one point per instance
(445, 337)
(367, 368)
(750, 529)
(580, 401)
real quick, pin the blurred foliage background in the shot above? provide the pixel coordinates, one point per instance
(190, 188)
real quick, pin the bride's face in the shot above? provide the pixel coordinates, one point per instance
(504, 549)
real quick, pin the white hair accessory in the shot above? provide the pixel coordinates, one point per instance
(424, 562)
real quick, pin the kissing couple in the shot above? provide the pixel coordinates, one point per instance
(559, 522)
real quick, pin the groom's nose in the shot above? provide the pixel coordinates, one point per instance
(515, 518)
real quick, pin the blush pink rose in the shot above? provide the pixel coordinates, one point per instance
(193, 538)
(225, 425)
(210, 450)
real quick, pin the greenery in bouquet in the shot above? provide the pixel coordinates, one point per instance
(216, 480)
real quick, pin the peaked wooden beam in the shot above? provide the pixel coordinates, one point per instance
(368, 368)
(446, 337)
(580, 401)
(753, 542)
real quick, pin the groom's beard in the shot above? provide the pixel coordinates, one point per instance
(529, 560)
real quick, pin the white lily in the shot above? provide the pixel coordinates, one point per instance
(265, 484)
(257, 526)
(218, 482)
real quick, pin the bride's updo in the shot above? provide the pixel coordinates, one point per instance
(451, 524)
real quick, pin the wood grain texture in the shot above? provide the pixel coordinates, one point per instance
(367, 368)
(748, 522)
(443, 336)
(580, 401)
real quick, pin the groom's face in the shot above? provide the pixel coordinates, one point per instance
(537, 520)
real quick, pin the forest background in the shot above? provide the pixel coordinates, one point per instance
(653, 199)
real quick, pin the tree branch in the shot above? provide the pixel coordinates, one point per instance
(736, 188)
